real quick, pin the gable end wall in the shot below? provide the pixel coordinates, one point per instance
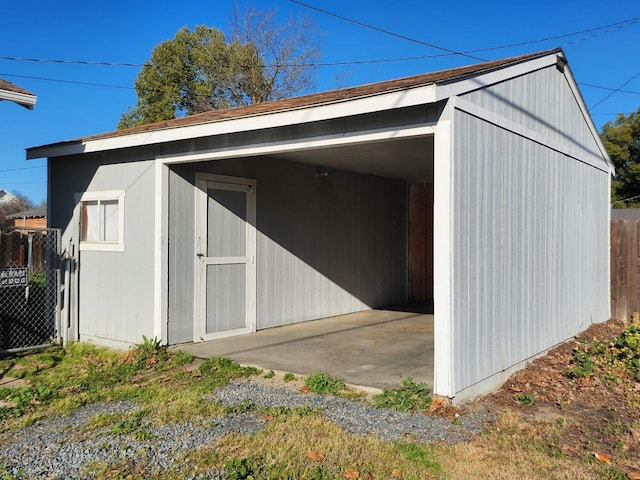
(530, 234)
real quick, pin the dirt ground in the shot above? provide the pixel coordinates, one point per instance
(596, 416)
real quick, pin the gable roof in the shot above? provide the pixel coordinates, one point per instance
(14, 93)
(375, 97)
(329, 96)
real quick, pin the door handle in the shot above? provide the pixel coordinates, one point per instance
(199, 255)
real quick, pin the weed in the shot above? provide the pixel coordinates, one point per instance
(409, 396)
(583, 364)
(134, 425)
(237, 408)
(219, 371)
(148, 346)
(288, 377)
(242, 468)
(322, 383)
(524, 399)
(270, 374)
(5, 475)
(281, 412)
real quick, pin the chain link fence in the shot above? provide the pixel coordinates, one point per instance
(29, 287)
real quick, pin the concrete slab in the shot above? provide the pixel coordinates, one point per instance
(374, 348)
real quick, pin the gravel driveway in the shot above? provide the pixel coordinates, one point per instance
(59, 448)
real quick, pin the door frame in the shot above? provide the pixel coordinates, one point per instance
(247, 185)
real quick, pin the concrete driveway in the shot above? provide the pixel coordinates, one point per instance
(374, 348)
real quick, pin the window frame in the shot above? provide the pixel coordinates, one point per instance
(102, 196)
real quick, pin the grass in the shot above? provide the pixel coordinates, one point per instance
(295, 442)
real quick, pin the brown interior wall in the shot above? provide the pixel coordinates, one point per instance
(421, 242)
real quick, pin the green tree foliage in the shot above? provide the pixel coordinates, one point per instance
(621, 138)
(200, 69)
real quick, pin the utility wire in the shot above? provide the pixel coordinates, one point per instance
(616, 90)
(608, 88)
(611, 27)
(22, 168)
(387, 32)
(66, 81)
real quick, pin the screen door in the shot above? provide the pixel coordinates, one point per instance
(225, 254)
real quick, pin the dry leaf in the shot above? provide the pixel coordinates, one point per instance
(633, 476)
(352, 474)
(602, 458)
(266, 418)
(305, 389)
(315, 456)
(395, 473)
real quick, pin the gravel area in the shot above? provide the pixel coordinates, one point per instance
(58, 448)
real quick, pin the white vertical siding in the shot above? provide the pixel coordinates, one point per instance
(115, 303)
(116, 300)
(542, 102)
(530, 249)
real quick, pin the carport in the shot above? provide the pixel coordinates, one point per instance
(376, 348)
(484, 188)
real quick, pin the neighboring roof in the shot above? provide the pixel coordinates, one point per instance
(334, 97)
(39, 212)
(5, 196)
(625, 214)
(14, 93)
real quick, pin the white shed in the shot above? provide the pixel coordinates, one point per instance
(238, 220)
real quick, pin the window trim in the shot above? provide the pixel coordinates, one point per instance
(103, 195)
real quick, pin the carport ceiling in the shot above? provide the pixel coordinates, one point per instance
(408, 159)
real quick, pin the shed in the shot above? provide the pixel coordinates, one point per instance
(238, 220)
(32, 218)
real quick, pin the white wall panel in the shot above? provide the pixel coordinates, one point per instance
(530, 249)
(115, 301)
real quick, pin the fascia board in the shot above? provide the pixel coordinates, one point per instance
(459, 87)
(423, 94)
(23, 99)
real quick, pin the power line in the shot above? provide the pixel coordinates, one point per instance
(22, 168)
(615, 90)
(21, 183)
(66, 81)
(609, 114)
(611, 27)
(387, 32)
(608, 88)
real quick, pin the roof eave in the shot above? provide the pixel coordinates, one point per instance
(419, 95)
(22, 99)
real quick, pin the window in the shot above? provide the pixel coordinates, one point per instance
(102, 220)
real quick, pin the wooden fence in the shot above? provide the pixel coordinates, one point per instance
(625, 268)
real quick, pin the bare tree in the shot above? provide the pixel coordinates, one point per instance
(198, 70)
(288, 50)
(18, 203)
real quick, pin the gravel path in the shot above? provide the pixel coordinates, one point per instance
(58, 448)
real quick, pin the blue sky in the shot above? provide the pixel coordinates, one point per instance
(126, 32)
